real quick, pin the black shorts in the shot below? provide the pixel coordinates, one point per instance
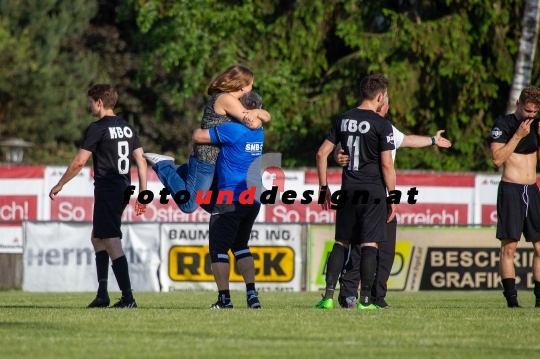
(230, 228)
(518, 211)
(362, 223)
(108, 217)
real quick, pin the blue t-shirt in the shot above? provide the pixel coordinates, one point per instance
(240, 148)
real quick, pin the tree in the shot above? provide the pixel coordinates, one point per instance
(44, 74)
(525, 56)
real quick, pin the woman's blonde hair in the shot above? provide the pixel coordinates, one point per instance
(231, 80)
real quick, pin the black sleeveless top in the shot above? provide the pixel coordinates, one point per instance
(209, 153)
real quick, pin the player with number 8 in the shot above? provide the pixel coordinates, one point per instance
(114, 146)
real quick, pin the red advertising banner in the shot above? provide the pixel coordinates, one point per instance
(22, 172)
(489, 214)
(70, 208)
(18, 207)
(432, 214)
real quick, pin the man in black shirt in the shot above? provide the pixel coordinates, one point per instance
(368, 140)
(114, 146)
(514, 144)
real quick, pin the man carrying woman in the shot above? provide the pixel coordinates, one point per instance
(224, 106)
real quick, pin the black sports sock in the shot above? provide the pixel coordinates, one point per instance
(224, 296)
(510, 292)
(102, 268)
(120, 269)
(333, 269)
(368, 266)
(250, 286)
(537, 292)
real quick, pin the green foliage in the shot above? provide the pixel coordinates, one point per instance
(449, 62)
(44, 74)
(450, 65)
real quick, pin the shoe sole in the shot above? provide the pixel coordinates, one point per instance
(102, 305)
(99, 306)
(152, 162)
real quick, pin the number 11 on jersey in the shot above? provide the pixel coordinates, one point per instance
(353, 144)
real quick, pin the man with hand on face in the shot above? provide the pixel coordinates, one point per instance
(514, 145)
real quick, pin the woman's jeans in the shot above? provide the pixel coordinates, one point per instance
(191, 177)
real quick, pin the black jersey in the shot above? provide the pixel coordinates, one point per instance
(111, 141)
(505, 127)
(363, 135)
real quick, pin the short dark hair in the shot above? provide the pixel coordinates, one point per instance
(372, 85)
(251, 101)
(106, 93)
(530, 94)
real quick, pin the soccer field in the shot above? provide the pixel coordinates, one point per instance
(179, 325)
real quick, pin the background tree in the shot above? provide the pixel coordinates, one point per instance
(525, 56)
(450, 63)
(44, 69)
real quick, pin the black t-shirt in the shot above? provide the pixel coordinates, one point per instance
(505, 127)
(363, 135)
(111, 141)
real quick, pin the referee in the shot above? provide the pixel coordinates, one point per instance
(114, 146)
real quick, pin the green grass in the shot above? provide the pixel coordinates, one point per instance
(454, 325)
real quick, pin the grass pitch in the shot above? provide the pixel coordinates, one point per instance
(178, 325)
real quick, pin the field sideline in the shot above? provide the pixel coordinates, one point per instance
(179, 325)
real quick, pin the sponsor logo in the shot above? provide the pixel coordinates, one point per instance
(390, 138)
(118, 132)
(398, 273)
(489, 214)
(193, 264)
(473, 268)
(254, 147)
(432, 213)
(18, 208)
(35, 256)
(76, 209)
(348, 125)
(496, 133)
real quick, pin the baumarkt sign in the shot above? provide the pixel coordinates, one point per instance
(276, 249)
(433, 258)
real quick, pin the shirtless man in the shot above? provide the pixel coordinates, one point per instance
(514, 145)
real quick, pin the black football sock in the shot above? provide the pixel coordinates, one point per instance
(537, 292)
(250, 287)
(120, 269)
(510, 292)
(368, 266)
(102, 268)
(333, 269)
(224, 296)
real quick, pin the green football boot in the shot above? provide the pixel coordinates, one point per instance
(325, 304)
